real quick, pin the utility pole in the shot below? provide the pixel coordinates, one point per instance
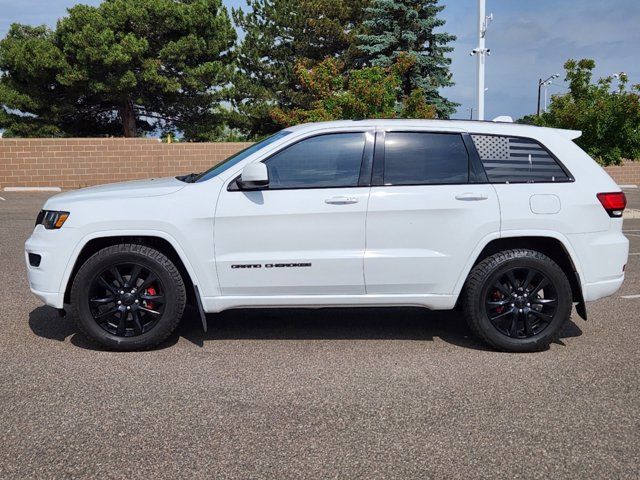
(482, 53)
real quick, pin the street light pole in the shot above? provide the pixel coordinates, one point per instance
(621, 77)
(540, 84)
(481, 52)
(539, 87)
(481, 31)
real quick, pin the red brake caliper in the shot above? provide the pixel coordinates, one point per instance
(149, 291)
(496, 296)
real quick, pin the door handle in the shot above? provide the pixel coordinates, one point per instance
(341, 200)
(471, 197)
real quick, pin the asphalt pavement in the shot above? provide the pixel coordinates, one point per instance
(334, 393)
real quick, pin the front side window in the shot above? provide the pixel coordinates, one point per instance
(517, 160)
(240, 156)
(324, 161)
(416, 158)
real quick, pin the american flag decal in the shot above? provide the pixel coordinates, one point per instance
(514, 159)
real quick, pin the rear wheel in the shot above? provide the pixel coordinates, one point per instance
(517, 300)
(128, 297)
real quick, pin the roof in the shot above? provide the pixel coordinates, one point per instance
(470, 126)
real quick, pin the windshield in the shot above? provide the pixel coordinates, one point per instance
(238, 157)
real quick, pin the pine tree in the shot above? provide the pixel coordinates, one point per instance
(394, 27)
(277, 35)
(124, 67)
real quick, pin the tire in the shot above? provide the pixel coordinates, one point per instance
(508, 305)
(105, 291)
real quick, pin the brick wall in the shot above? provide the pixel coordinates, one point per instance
(626, 174)
(74, 163)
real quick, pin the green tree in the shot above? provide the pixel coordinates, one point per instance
(395, 27)
(123, 67)
(277, 35)
(608, 118)
(369, 92)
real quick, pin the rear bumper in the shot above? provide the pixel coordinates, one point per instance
(594, 291)
(603, 257)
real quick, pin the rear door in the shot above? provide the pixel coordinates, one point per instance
(304, 234)
(429, 208)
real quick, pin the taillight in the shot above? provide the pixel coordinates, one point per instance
(614, 203)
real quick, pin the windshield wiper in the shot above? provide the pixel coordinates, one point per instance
(189, 178)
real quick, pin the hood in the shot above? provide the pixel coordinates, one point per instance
(135, 189)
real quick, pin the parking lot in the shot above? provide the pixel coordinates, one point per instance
(343, 393)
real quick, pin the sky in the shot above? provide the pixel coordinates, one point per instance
(528, 39)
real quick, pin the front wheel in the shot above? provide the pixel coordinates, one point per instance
(517, 300)
(128, 297)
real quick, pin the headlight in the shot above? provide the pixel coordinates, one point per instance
(51, 220)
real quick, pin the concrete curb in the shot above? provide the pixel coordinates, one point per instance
(32, 189)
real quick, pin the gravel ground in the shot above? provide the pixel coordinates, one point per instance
(343, 393)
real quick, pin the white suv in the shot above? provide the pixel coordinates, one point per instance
(510, 223)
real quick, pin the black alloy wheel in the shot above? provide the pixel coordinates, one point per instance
(126, 299)
(517, 300)
(521, 303)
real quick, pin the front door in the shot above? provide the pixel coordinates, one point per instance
(428, 210)
(303, 234)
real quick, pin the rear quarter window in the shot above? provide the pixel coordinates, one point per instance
(517, 160)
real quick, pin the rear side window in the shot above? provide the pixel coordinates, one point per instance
(415, 158)
(331, 160)
(517, 160)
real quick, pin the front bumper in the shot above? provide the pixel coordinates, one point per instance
(55, 247)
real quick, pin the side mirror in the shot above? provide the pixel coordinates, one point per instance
(254, 176)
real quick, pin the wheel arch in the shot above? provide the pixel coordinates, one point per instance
(555, 247)
(164, 244)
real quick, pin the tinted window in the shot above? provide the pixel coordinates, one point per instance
(517, 160)
(238, 157)
(425, 159)
(323, 161)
